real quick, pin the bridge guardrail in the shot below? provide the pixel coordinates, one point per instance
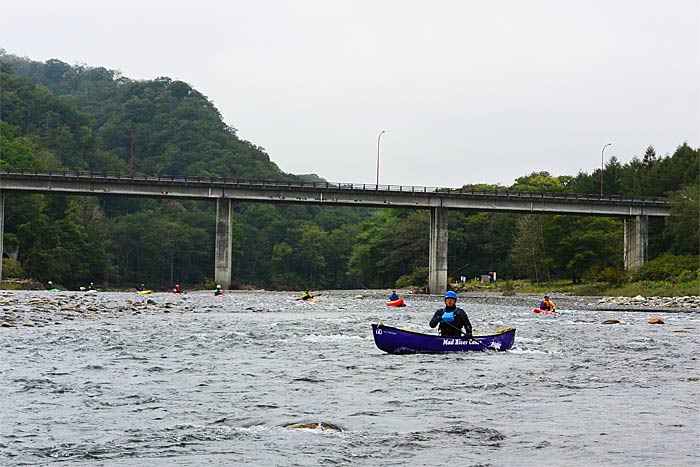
(364, 187)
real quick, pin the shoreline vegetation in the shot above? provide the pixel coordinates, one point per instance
(506, 288)
(645, 288)
(666, 276)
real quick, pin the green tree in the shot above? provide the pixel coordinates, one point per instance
(683, 226)
(582, 246)
(529, 253)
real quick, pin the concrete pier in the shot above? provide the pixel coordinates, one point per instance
(636, 241)
(224, 239)
(437, 262)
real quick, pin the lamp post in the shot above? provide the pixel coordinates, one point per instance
(601, 167)
(379, 138)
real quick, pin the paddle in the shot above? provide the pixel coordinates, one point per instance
(470, 338)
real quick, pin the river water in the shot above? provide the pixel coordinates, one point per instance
(204, 380)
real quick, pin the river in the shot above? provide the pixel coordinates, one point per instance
(203, 380)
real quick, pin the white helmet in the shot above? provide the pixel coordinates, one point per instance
(218, 286)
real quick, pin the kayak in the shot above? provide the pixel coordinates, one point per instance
(403, 341)
(398, 302)
(550, 312)
(54, 290)
(144, 292)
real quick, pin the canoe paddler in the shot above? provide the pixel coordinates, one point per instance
(394, 296)
(451, 319)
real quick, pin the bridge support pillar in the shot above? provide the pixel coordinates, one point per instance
(2, 229)
(636, 241)
(437, 263)
(224, 238)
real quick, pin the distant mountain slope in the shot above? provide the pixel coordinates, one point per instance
(176, 129)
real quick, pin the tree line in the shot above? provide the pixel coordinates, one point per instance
(55, 116)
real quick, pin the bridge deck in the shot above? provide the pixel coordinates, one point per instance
(354, 194)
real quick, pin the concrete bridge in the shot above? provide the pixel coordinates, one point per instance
(634, 211)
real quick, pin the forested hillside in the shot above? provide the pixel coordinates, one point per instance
(56, 116)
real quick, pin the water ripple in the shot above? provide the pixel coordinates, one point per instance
(221, 382)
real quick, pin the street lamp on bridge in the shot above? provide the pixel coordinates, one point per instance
(379, 138)
(601, 167)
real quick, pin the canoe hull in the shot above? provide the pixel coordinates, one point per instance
(398, 302)
(402, 341)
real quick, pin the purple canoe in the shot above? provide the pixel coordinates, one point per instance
(399, 341)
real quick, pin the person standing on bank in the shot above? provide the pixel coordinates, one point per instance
(451, 319)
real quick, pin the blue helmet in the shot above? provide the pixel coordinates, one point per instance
(451, 294)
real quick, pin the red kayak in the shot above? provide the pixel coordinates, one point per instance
(398, 302)
(545, 312)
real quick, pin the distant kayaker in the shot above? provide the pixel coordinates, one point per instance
(177, 289)
(50, 285)
(394, 296)
(547, 304)
(91, 286)
(306, 295)
(451, 318)
(218, 290)
(141, 288)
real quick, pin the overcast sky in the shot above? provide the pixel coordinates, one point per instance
(467, 91)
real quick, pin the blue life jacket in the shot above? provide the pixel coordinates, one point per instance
(448, 316)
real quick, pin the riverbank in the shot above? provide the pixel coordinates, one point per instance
(41, 308)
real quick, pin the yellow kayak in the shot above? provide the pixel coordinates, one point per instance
(144, 292)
